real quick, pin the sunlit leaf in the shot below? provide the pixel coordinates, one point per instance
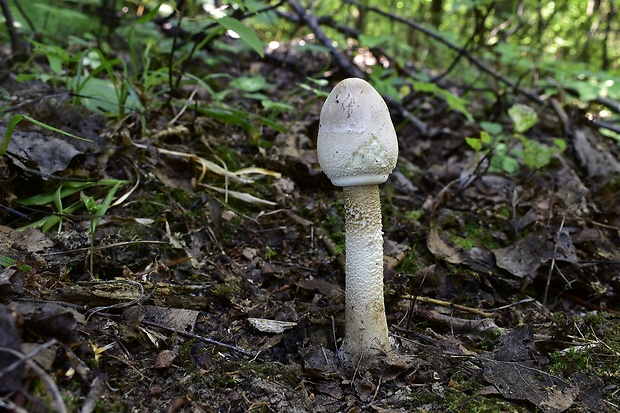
(374, 41)
(474, 143)
(493, 128)
(249, 83)
(456, 103)
(245, 33)
(523, 117)
(270, 104)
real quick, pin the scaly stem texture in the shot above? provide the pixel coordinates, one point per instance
(366, 325)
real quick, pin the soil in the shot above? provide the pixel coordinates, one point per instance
(501, 289)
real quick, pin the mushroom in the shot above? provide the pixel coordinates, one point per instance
(357, 150)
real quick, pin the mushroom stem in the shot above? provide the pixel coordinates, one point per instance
(366, 324)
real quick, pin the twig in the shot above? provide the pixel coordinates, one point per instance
(448, 304)
(458, 324)
(349, 68)
(524, 301)
(552, 266)
(17, 43)
(559, 110)
(312, 23)
(460, 55)
(45, 378)
(97, 310)
(605, 125)
(93, 397)
(202, 338)
(103, 247)
(24, 358)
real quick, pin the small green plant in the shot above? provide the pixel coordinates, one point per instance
(7, 262)
(269, 253)
(64, 191)
(92, 208)
(414, 215)
(509, 153)
(454, 102)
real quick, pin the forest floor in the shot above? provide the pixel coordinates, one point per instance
(501, 289)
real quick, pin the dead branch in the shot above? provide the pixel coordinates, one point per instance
(428, 300)
(476, 62)
(349, 68)
(456, 323)
(42, 374)
(19, 47)
(312, 23)
(202, 338)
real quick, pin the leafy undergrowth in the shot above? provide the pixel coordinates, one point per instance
(217, 265)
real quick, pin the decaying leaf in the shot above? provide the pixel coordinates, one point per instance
(271, 326)
(209, 166)
(600, 164)
(517, 372)
(442, 250)
(164, 359)
(525, 256)
(9, 339)
(49, 153)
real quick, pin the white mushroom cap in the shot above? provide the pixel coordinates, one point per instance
(357, 143)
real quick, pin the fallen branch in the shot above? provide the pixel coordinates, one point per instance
(312, 23)
(349, 68)
(202, 338)
(42, 374)
(448, 304)
(458, 324)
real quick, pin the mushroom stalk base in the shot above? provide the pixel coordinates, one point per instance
(366, 332)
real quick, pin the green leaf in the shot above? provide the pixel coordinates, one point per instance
(474, 143)
(455, 102)
(68, 188)
(374, 41)
(560, 143)
(485, 138)
(586, 89)
(426, 87)
(6, 261)
(245, 33)
(249, 83)
(270, 104)
(227, 115)
(311, 89)
(256, 96)
(509, 165)
(493, 128)
(537, 155)
(523, 117)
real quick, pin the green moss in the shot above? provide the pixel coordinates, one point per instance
(460, 396)
(230, 286)
(414, 215)
(471, 233)
(595, 350)
(229, 155)
(227, 370)
(466, 402)
(462, 242)
(412, 262)
(284, 373)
